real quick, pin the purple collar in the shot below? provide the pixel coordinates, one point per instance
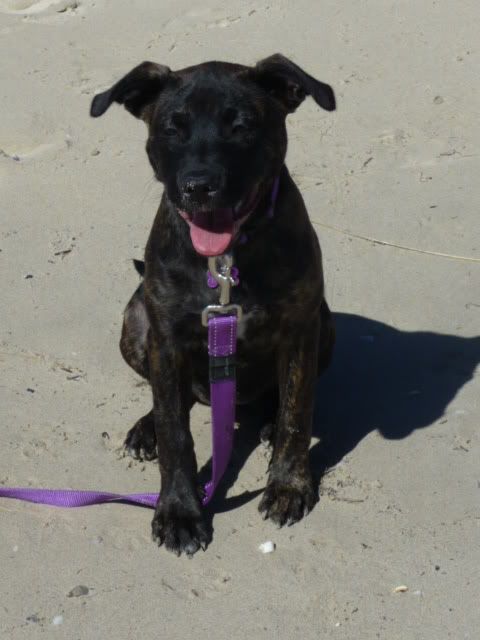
(273, 197)
(243, 238)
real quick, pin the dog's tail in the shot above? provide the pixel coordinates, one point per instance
(139, 267)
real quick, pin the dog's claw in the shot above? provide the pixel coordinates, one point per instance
(141, 443)
(285, 504)
(157, 539)
(180, 534)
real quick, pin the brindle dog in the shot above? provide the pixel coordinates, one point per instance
(217, 141)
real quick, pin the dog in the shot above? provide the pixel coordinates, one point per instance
(217, 142)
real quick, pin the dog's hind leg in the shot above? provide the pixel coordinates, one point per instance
(136, 325)
(141, 442)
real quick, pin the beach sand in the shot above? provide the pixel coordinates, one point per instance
(391, 180)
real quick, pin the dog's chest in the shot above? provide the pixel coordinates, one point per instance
(250, 320)
(259, 335)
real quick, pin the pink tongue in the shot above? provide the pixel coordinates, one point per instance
(212, 232)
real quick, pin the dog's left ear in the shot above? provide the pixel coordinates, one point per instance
(136, 91)
(290, 85)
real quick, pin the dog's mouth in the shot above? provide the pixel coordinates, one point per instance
(212, 232)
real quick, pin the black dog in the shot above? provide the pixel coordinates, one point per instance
(217, 141)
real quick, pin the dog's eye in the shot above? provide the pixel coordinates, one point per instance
(237, 123)
(176, 126)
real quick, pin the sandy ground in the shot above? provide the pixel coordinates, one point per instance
(391, 181)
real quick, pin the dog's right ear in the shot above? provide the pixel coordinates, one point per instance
(290, 84)
(136, 91)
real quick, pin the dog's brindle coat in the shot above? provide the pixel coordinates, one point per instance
(221, 128)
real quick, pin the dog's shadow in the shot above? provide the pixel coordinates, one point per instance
(380, 379)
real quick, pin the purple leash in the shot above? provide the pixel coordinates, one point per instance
(74, 498)
(221, 321)
(222, 343)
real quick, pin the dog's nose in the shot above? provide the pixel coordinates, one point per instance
(200, 186)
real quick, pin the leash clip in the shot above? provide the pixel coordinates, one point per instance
(222, 275)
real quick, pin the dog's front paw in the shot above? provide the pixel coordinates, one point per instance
(141, 442)
(286, 504)
(180, 532)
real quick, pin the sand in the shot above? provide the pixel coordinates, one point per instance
(391, 182)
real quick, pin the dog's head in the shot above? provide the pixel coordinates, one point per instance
(217, 136)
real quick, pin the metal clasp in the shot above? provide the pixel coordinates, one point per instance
(222, 275)
(225, 281)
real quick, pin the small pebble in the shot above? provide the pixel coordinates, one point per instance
(28, 276)
(267, 547)
(401, 589)
(15, 548)
(95, 152)
(80, 590)
(57, 620)
(438, 100)
(33, 618)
